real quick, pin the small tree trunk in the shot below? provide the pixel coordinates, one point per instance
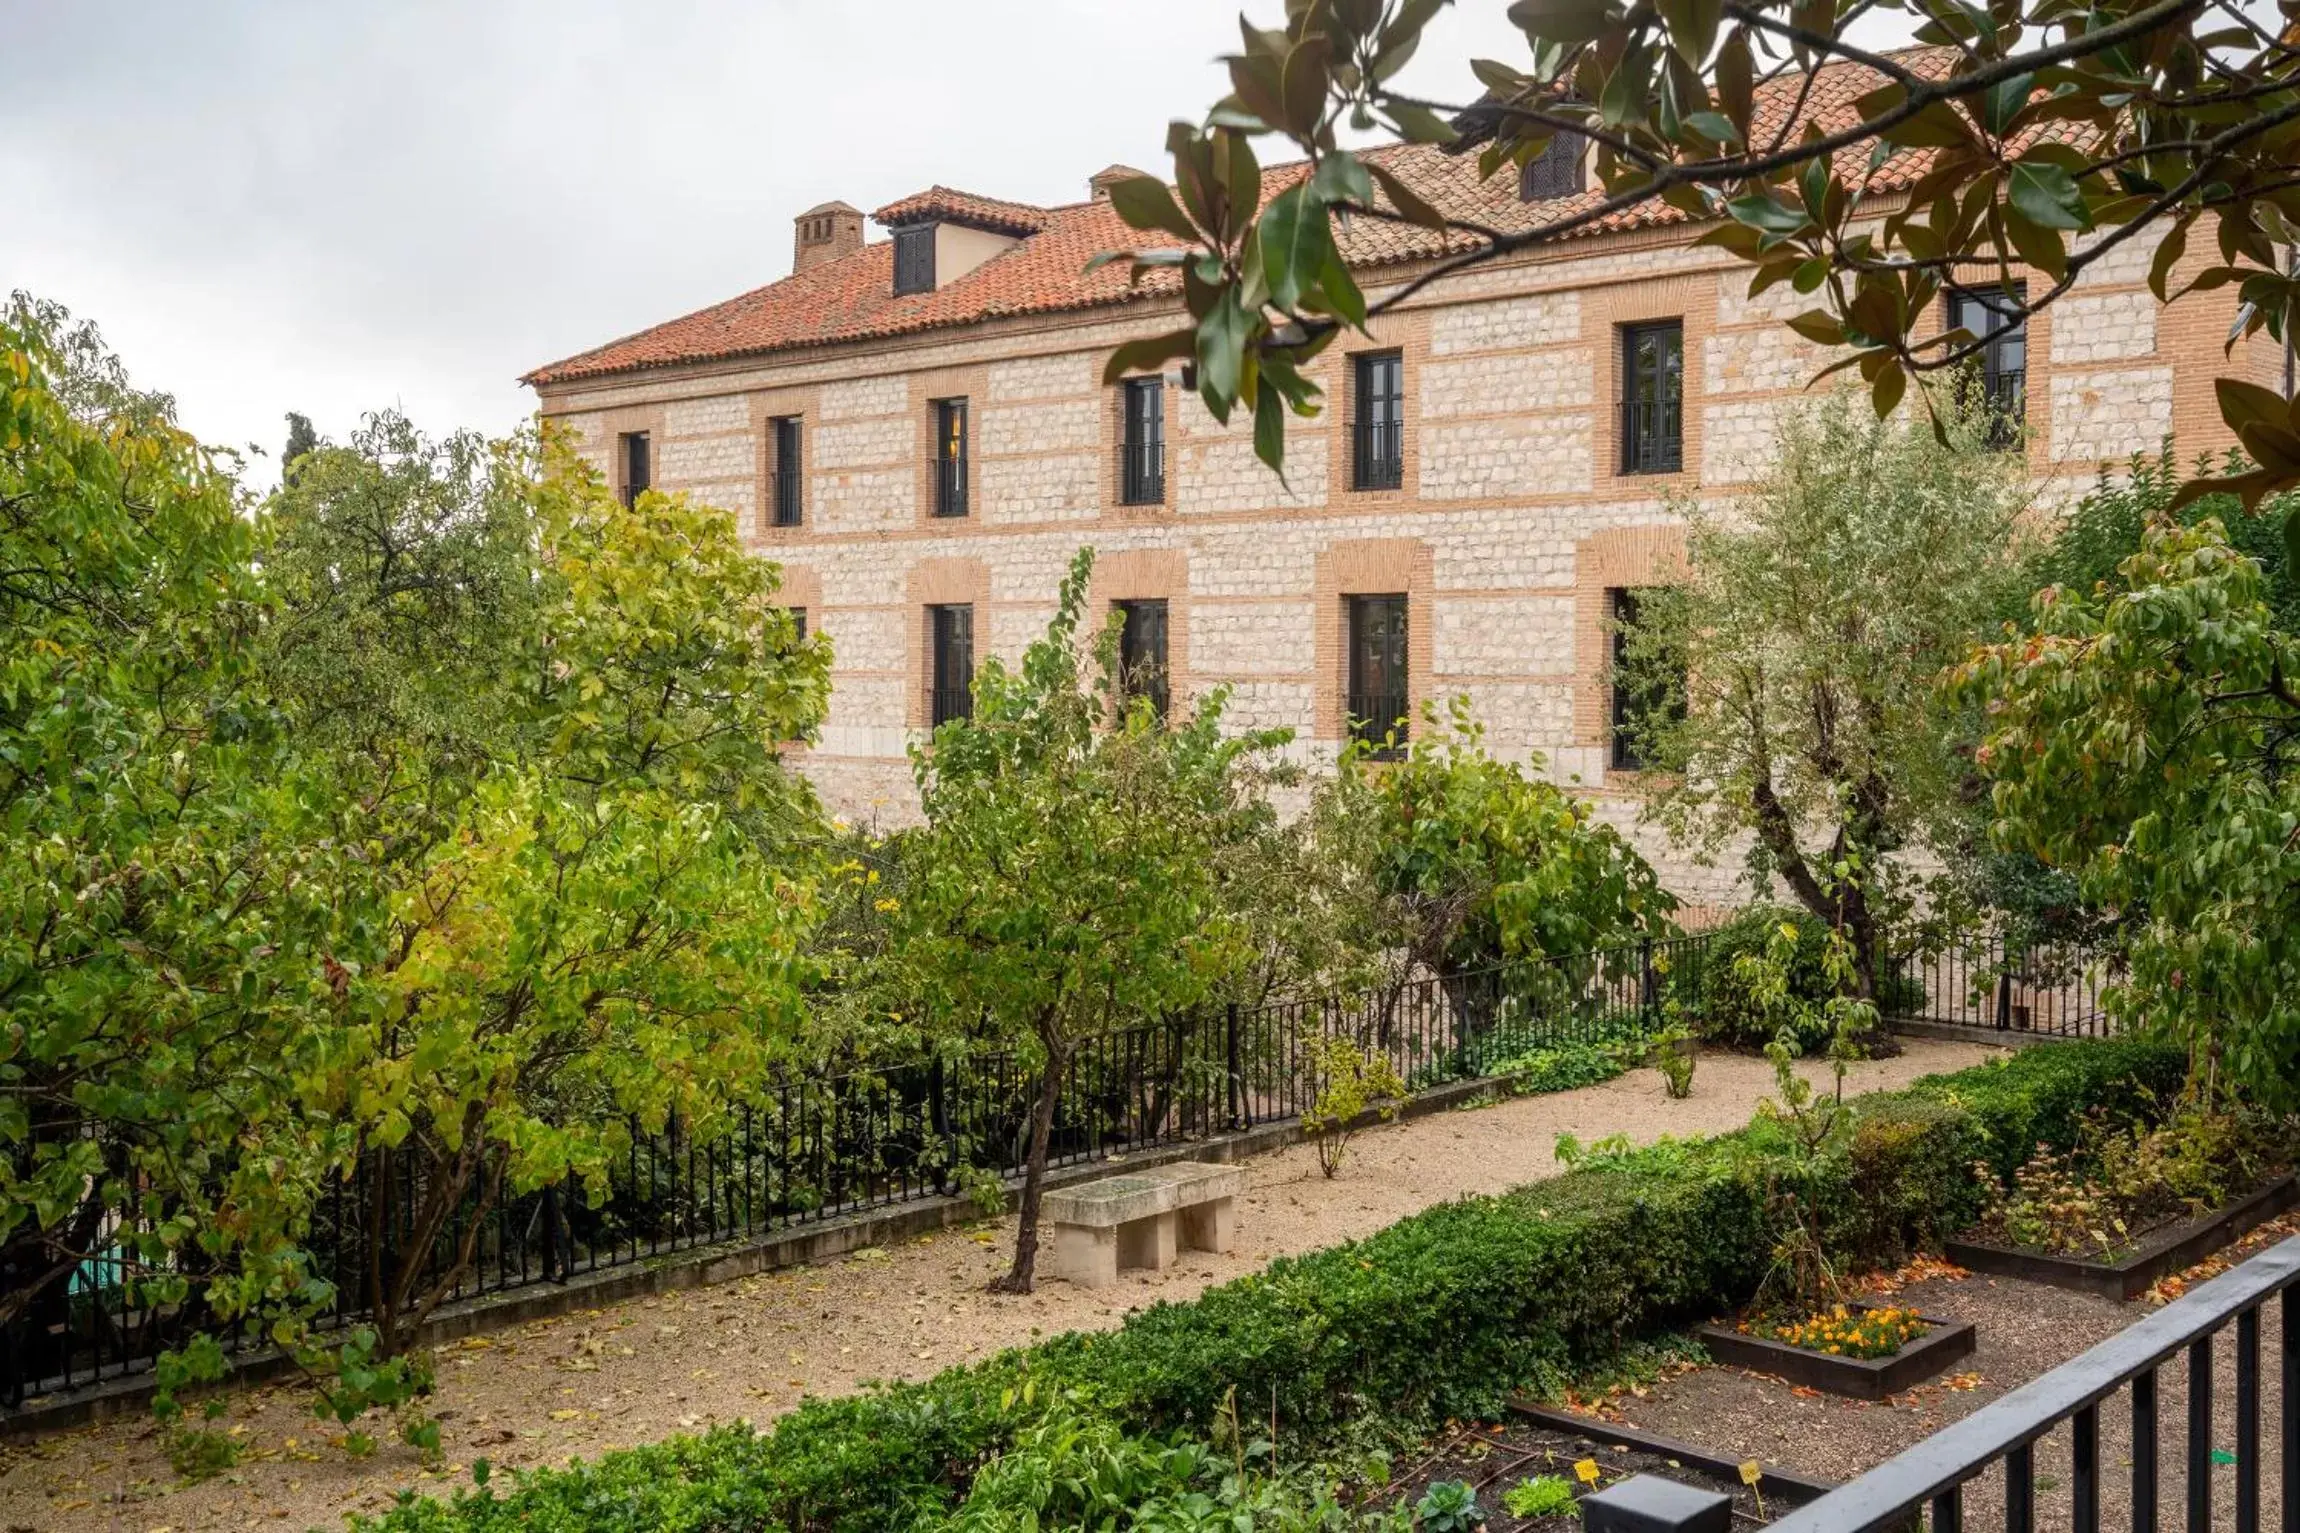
(1019, 1277)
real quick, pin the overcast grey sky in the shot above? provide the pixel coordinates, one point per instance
(331, 207)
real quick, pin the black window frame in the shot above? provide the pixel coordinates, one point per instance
(1142, 441)
(2004, 387)
(1653, 398)
(1377, 663)
(1629, 706)
(1144, 669)
(950, 658)
(786, 484)
(1555, 172)
(950, 457)
(1378, 420)
(635, 457)
(799, 618)
(913, 259)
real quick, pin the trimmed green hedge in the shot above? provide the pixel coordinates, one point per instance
(1442, 1314)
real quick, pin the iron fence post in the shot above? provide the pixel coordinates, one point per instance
(1648, 993)
(1230, 1066)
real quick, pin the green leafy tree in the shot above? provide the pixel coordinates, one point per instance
(1064, 882)
(2140, 738)
(161, 896)
(1481, 862)
(1816, 615)
(301, 439)
(2028, 135)
(593, 904)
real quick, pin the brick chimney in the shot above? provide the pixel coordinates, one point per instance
(825, 233)
(1098, 185)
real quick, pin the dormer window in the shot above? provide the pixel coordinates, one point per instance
(1556, 171)
(914, 259)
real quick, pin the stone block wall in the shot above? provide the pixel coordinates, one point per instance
(1514, 523)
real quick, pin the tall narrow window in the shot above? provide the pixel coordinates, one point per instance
(1556, 171)
(789, 472)
(1142, 442)
(799, 620)
(1653, 398)
(950, 642)
(1647, 693)
(1376, 702)
(914, 259)
(1142, 653)
(638, 465)
(1994, 319)
(950, 457)
(1378, 433)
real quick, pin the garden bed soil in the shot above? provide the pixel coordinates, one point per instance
(1539, 1442)
(1856, 1378)
(2165, 1250)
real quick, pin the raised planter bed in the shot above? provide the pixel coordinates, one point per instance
(1541, 1442)
(2158, 1255)
(1856, 1378)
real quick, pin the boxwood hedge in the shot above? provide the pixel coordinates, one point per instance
(1441, 1314)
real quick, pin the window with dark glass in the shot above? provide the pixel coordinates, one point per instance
(1376, 702)
(1142, 652)
(1556, 171)
(1378, 430)
(638, 465)
(950, 644)
(789, 472)
(950, 457)
(799, 620)
(1993, 318)
(1646, 693)
(1142, 442)
(914, 259)
(1653, 398)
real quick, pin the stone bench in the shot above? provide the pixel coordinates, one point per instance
(1140, 1219)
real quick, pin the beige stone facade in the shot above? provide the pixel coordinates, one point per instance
(1513, 521)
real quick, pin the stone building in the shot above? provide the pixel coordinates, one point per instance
(917, 429)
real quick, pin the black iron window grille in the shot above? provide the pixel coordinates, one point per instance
(1378, 430)
(788, 475)
(1556, 171)
(1653, 398)
(950, 457)
(638, 465)
(799, 621)
(1993, 318)
(914, 259)
(1376, 703)
(1142, 668)
(1142, 442)
(950, 636)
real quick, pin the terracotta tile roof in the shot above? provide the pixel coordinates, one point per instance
(853, 299)
(938, 203)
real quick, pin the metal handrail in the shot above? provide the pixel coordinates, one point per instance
(1937, 1469)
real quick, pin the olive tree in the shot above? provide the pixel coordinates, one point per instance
(1815, 615)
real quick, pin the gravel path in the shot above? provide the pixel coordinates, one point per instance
(2024, 1330)
(581, 1384)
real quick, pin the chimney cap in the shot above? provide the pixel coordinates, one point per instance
(821, 208)
(1110, 175)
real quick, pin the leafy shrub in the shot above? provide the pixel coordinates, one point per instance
(1442, 1314)
(1352, 1082)
(1567, 1067)
(1673, 1055)
(1718, 993)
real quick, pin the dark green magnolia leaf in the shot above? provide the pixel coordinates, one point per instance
(1303, 84)
(1144, 203)
(1148, 352)
(1296, 244)
(1409, 204)
(1340, 290)
(1692, 27)
(2042, 248)
(1715, 127)
(1737, 79)
(1221, 346)
(2003, 101)
(1342, 177)
(1417, 124)
(1270, 427)
(2244, 405)
(1761, 212)
(1562, 21)
(2048, 196)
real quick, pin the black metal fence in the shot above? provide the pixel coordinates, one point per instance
(838, 1144)
(2123, 1466)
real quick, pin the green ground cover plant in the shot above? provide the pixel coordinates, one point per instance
(1444, 1314)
